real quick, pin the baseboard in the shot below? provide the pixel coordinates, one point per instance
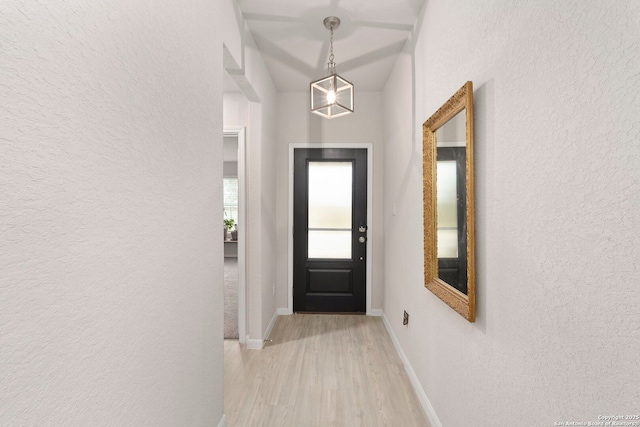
(254, 344)
(375, 312)
(270, 327)
(284, 311)
(422, 396)
(223, 421)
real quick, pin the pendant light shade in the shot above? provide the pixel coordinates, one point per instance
(331, 96)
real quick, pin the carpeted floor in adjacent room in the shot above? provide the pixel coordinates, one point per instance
(231, 298)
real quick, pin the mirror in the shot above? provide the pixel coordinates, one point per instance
(449, 242)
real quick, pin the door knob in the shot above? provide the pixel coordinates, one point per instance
(362, 239)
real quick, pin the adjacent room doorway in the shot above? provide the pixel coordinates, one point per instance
(235, 245)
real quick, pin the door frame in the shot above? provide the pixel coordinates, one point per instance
(240, 134)
(370, 224)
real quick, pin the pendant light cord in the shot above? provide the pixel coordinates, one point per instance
(331, 64)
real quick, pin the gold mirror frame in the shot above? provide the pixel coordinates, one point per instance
(465, 304)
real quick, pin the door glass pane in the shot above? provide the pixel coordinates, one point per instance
(447, 195)
(330, 244)
(330, 209)
(330, 194)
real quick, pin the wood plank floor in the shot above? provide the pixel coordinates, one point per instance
(320, 370)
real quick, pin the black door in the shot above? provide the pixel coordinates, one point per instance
(330, 230)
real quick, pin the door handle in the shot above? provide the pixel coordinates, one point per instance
(362, 239)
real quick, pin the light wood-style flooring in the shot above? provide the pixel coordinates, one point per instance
(320, 370)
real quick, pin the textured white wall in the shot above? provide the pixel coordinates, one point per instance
(110, 256)
(557, 134)
(268, 210)
(235, 109)
(297, 125)
(293, 126)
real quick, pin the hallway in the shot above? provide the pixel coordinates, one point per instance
(320, 370)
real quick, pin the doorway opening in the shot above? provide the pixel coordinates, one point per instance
(235, 236)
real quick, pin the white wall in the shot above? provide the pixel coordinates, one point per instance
(254, 108)
(110, 257)
(297, 125)
(235, 109)
(557, 171)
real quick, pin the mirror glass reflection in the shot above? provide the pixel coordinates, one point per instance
(447, 194)
(451, 202)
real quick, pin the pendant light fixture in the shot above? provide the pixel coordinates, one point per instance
(331, 96)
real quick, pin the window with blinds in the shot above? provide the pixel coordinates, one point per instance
(230, 199)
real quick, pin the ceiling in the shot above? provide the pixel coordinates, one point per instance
(294, 43)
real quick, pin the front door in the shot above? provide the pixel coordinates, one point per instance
(330, 230)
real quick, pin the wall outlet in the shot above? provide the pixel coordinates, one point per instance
(405, 320)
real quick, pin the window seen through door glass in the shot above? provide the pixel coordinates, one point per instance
(330, 209)
(447, 195)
